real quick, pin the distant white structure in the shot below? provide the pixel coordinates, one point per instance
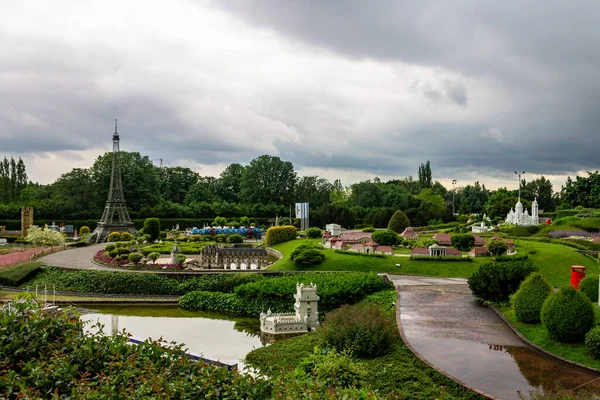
(334, 229)
(481, 228)
(520, 217)
(305, 319)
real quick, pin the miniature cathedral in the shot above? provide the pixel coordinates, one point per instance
(305, 319)
(520, 217)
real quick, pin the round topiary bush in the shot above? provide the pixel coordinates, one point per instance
(361, 328)
(114, 237)
(568, 315)
(368, 229)
(496, 281)
(110, 247)
(135, 258)
(592, 342)
(385, 237)
(84, 230)
(589, 287)
(497, 247)
(309, 257)
(399, 222)
(152, 228)
(314, 232)
(530, 297)
(113, 253)
(235, 238)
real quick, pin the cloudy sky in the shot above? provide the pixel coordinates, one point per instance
(347, 89)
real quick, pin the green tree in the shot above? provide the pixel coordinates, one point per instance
(385, 237)
(268, 179)
(399, 222)
(584, 191)
(152, 228)
(230, 181)
(338, 192)
(72, 192)
(204, 190)
(540, 189)
(313, 190)
(366, 194)
(175, 182)
(425, 180)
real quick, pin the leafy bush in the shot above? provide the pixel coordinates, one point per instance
(399, 222)
(123, 251)
(280, 234)
(314, 232)
(220, 238)
(362, 329)
(219, 221)
(331, 368)
(114, 237)
(497, 247)
(568, 315)
(385, 237)
(84, 230)
(14, 276)
(152, 228)
(592, 342)
(126, 237)
(463, 242)
(309, 257)
(245, 221)
(113, 253)
(589, 287)
(368, 229)
(441, 259)
(304, 246)
(235, 238)
(110, 247)
(135, 258)
(497, 281)
(155, 255)
(229, 303)
(528, 300)
(357, 253)
(181, 258)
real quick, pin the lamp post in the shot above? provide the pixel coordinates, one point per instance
(453, 195)
(519, 173)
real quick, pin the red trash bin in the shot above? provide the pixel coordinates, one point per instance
(577, 274)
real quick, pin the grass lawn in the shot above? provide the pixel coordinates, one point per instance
(553, 260)
(398, 372)
(539, 335)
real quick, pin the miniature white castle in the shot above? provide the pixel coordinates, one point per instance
(520, 217)
(305, 319)
(481, 228)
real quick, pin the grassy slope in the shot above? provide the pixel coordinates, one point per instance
(553, 260)
(399, 371)
(539, 335)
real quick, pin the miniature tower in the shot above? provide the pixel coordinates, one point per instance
(534, 212)
(115, 217)
(306, 305)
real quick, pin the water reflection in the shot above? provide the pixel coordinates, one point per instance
(215, 336)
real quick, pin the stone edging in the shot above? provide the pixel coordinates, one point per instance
(416, 353)
(537, 348)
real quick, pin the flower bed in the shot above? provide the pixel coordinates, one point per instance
(18, 256)
(100, 258)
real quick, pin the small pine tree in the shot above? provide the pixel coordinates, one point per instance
(399, 222)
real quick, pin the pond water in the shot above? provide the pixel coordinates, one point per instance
(214, 336)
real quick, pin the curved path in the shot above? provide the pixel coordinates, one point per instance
(441, 322)
(78, 258)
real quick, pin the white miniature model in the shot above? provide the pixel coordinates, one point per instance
(520, 217)
(305, 319)
(334, 229)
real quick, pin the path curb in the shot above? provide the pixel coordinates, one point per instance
(538, 349)
(416, 353)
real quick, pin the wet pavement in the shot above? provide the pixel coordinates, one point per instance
(443, 324)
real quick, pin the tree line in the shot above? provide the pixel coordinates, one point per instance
(268, 186)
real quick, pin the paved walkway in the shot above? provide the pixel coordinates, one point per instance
(442, 323)
(79, 258)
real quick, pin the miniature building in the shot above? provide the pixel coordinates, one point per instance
(305, 318)
(409, 234)
(333, 229)
(347, 238)
(511, 246)
(372, 247)
(452, 252)
(479, 241)
(479, 252)
(217, 256)
(444, 239)
(419, 251)
(26, 219)
(520, 217)
(437, 251)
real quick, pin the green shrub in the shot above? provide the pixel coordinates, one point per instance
(497, 247)
(110, 247)
(219, 221)
(314, 232)
(568, 315)
(123, 251)
(15, 276)
(497, 281)
(280, 234)
(114, 237)
(126, 236)
(592, 342)
(113, 253)
(245, 221)
(417, 257)
(463, 242)
(309, 257)
(589, 287)
(229, 303)
(235, 238)
(385, 237)
(331, 368)
(399, 222)
(153, 256)
(118, 258)
(84, 230)
(135, 258)
(304, 246)
(368, 229)
(528, 300)
(181, 258)
(220, 238)
(357, 253)
(362, 329)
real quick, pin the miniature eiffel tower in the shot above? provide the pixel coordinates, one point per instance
(115, 217)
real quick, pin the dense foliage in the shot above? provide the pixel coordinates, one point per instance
(359, 254)
(280, 234)
(361, 329)
(497, 281)
(463, 242)
(152, 228)
(314, 232)
(385, 237)
(332, 368)
(15, 276)
(528, 300)
(589, 287)
(592, 342)
(568, 315)
(398, 222)
(235, 238)
(309, 257)
(497, 247)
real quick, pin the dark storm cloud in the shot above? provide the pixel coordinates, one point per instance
(543, 55)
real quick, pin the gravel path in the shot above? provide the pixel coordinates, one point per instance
(78, 258)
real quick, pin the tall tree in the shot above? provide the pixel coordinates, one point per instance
(313, 190)
(175, 182)
(425, 179)
(584, 191)
(268, 179)
(21, 176)
(338, 192)
(230, 182)
(13, 180)
(366, 194)
(72, 192)
(203, 191)
(541, 189)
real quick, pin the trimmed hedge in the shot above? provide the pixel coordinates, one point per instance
(280, 234)
(229, 303)
(309, 257)
(463, 242)
(385, 237)
(15, 276)
(398, 222)
(528, 300)
(357, 253)
(589, 287)
(314, 232)
(497, 281)
(568, 315)
(443, 259)
(592, 342)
